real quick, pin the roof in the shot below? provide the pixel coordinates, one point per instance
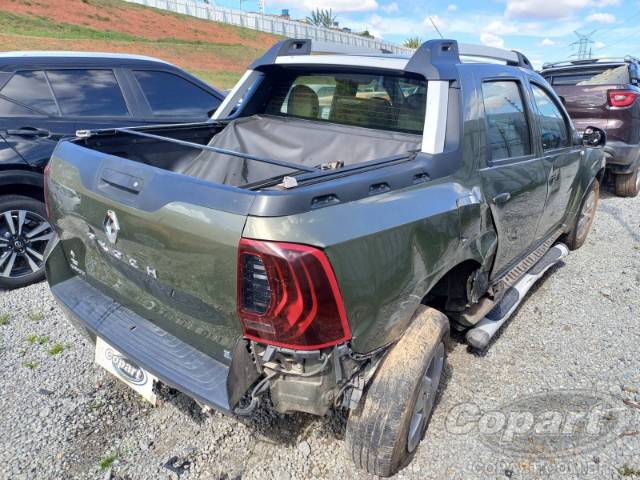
(12, 60)
(72, 54)
(592, 62)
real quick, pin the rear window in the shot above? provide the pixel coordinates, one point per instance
(383, 102)
(169, 94)
(593, 76)
(89, 93)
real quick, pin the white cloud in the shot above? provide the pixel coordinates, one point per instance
(547, 42)
(544, 8)
(601, 18)
(491, 40)
(599, 45)
(393, 7)
(452, 7)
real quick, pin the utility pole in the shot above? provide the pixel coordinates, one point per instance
(584, 45)
(262, 2)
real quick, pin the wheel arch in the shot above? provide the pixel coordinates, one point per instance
(22, 182)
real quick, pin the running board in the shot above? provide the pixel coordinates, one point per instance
(480, 336)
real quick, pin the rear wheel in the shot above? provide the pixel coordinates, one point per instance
(584, 220)
(384, 432)
(628, 185)
(24, 235)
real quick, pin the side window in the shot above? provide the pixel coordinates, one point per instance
(553, 126)
(507, 125)
(30, 89)
(88, 93)
(169, 94)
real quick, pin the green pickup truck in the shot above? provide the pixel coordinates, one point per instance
(313, 243)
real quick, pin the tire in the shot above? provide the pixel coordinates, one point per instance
(378, 431)
(584, 219)
(628, 185)
(21, 262)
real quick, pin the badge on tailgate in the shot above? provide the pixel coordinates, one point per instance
(126, 370)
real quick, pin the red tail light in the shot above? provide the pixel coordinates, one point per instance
(622, 98)
(46, 190)
(288, 296)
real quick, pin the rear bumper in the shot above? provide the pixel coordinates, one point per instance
(622, 157)
(170, 359)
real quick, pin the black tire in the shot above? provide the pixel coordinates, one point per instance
(588, 208)
(377, 436)
(628, 185)
(22, 273)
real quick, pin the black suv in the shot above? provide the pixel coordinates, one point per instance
(605, 93)
(45, 96)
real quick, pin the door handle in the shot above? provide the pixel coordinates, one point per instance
(29, 132)
(502, 198)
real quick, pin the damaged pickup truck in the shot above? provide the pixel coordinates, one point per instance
(315, 241)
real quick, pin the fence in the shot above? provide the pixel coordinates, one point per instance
(269, 24)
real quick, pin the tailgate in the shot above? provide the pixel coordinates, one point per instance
(163, 245)
(587, 105)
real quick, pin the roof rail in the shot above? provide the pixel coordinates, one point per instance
(434, 59)
(578, 63)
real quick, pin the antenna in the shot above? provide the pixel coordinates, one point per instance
(434, 26)
(584, 45)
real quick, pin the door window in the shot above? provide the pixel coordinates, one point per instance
(169, 94)
(30, 89)
(508, 132)
(88, 93)
(553, 126)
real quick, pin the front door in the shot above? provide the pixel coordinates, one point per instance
(514, 179)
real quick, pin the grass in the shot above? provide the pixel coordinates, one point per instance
(5, 318)
(627, 471)
(43, 340)
(107, 461)
(31, 339)
(56, 348)
(30, 364)
(35, 316)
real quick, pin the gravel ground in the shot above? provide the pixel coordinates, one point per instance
(63, 417)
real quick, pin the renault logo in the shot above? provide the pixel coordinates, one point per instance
(111, 226)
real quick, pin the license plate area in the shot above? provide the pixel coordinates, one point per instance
(125, 370)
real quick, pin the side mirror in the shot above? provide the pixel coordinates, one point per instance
(594, 137)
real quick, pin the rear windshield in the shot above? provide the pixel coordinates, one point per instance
(384, 102)
(593, 76)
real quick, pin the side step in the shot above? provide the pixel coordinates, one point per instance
(480, 336)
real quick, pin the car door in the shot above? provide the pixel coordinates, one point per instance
(514, 180)
(561, 158)
(30, 120)
(172, 98)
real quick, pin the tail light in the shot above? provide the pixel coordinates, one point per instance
(288, 296)
(622, 98)
(46, 190)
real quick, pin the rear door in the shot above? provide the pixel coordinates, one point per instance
(514, 179)
(561, 157)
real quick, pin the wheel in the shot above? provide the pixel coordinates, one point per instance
(628, 185)
(584, 220)
(24, 235)
(383, 433)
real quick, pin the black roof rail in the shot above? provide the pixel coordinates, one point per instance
(290, 46)
(436, 59)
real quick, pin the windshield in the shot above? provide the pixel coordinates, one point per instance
(380, 101)
(593, 76)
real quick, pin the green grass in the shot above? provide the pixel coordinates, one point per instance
(56, 348)
(31, 339)
(30, 364)
(43, 340)
(5, 318)
(36, 316)
(221, 80)
(107, 461)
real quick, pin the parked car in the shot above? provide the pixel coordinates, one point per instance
(322, 256)
(605, 93)
(45, 96)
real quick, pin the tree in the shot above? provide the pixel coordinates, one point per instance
(322, 18)
(413, 42)
(366, 34)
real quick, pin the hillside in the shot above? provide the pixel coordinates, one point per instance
(215, 52)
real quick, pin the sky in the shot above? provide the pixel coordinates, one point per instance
(541, 29)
